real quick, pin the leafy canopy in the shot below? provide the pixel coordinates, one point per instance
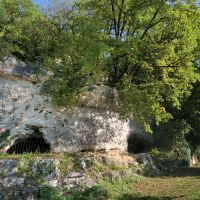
(146, 49)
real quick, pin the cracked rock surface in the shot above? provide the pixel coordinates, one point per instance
(23, 106)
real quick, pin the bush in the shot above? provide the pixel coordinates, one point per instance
(181, 150)
(172, 148)
(166, 135)
(178, 156)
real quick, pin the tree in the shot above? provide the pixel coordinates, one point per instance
(191, 113)
(145, 49)
(16, 17)
(25, 32)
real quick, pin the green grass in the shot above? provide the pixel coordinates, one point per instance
(182, 184)
(66, 161)
(28, 156)
(24, 167)
(174, 186)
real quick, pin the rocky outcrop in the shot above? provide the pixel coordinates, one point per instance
(13, 185)
(24, 108)
(195, 160)
(23, 178)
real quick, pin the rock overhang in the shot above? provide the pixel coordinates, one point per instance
(93, 126)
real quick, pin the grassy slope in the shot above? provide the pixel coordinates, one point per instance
(181, 185)
(168, 188)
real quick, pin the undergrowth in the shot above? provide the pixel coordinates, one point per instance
(104, 190)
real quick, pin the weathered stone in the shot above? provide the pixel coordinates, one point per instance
(119, 174)
(92, 127)
(45, 168)
(195, 159)
(126, 172)
(53, 183)
(74, 175)
(46, 171)
(112, 175)
(7, 167)
(12, 181)
(22, 193)
(10, 67)
(141, 158)
(84, 163)
(76, 179)
(146, 160)
(110, 161)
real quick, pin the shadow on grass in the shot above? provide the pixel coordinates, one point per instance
(96, 193)
(183, 172)
(133, 197)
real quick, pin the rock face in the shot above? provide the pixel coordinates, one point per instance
(194, 160)
(25, 109)
(23, 178)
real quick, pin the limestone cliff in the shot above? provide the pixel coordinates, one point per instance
(23, 108)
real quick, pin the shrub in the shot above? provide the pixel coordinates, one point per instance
(172, 148)
(178, 156)
(166, 135)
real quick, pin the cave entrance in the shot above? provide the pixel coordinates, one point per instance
(34, 143)
(140, 143)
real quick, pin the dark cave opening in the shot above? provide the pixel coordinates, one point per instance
(140, 143)
(34, 143)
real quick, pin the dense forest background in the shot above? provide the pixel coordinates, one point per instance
(148, 50)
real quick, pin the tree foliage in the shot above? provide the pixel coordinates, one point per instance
(191, 113)
(146, 49)
(16, 17)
